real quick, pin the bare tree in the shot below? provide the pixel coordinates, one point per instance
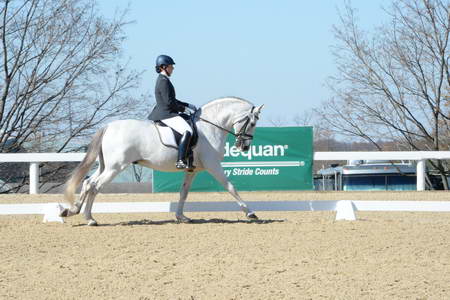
(304, 118)
(393, 85)
(62, 75)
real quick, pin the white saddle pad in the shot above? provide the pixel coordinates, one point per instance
(166, 136)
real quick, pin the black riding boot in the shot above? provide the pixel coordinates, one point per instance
(182, 150)
(190, 160)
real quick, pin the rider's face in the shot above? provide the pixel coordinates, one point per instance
(169, 69)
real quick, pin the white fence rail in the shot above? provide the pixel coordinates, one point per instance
(420, 156)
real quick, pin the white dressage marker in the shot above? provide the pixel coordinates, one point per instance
(52, 211)
(345, 210)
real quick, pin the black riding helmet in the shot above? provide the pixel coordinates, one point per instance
(163, 60)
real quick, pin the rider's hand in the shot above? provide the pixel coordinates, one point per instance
(192, 107)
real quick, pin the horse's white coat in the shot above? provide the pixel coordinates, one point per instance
(128, 141)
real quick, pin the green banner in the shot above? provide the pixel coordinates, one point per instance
(280, 158)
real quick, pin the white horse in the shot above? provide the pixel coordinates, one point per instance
(123, 142)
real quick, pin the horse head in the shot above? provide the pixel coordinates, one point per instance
(244, 127)
(233, 115)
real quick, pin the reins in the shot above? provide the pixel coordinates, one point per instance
(241, 133)
(220, 127)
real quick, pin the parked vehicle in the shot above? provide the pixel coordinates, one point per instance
(368, 175)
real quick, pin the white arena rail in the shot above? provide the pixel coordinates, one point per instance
(420, 156)
(345, 209)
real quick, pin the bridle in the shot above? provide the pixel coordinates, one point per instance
(242, 135)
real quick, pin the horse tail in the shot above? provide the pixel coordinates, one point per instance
(94, 150)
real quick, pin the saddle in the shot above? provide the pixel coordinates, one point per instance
(171, 138)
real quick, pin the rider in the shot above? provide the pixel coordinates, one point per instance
(168, 108)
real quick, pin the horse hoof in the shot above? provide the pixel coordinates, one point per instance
(92, 223)
(184, 219)
(64, 213)
(252, 216)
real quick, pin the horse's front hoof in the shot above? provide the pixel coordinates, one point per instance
(252, 216)
(64, 213)
(183, 219)
(92, 223)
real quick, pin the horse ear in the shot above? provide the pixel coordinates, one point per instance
(258, 109)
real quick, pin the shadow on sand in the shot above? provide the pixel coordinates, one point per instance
(193, 222)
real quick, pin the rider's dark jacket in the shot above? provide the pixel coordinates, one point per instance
(167, 106)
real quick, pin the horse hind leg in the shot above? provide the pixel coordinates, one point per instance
(76, 207)
(93, 188)
(90, 196)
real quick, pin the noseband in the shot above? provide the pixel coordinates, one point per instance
(242, 135)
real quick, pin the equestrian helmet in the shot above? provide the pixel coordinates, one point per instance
(164, 60)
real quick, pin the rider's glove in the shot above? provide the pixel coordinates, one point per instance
(192, 107)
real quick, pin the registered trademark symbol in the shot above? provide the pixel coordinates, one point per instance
(286, 146)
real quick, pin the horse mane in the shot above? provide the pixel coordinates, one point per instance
(219, 100)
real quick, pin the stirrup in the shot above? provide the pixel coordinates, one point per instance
(190, 169)
(180, 165)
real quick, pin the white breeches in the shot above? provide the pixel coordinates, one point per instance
(178, 124)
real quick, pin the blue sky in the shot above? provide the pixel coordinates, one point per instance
(271, 52)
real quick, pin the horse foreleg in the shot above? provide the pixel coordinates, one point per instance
(188, 178)
(220, 176)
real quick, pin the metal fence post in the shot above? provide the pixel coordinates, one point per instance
(420, 173)
(34, 178)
